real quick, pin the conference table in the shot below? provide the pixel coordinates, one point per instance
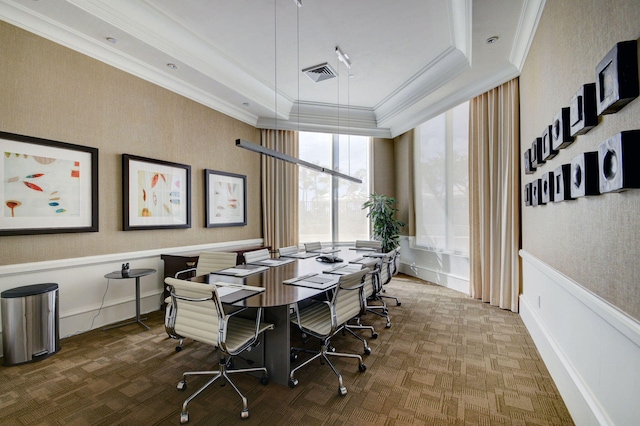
(277, 298)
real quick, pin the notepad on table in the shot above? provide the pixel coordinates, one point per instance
(312, 281)
(242, 270)
(272, 262)
(344, 269)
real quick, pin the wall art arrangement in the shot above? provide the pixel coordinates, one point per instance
(156, 194)
(225, 199)
(48, 187)
(610, 168)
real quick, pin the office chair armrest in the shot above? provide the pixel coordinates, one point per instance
(177, 275)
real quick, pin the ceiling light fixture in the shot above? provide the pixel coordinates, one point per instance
(172, 66)
(111, 40)
(288, 158)
(298, 3)
(344, 58)
(492, 39)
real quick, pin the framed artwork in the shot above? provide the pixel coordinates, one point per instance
(226, 199)
(583, 115)
(156, 194)
(48, 187)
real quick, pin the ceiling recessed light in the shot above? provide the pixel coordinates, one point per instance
(172, 66)
(112, 40)
(492, 40)
(246, 104)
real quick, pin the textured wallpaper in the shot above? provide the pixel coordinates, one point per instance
(593, 240)
(55, 93)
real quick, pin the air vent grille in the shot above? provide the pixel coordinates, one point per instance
(320, 72)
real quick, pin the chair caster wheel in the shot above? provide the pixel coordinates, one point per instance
(178, 348)
(374, 335)
(182, 386)
(264, 381)
(293, 383)
(342, 391)
(367, 351)
(244, 414)
(398, 303)
(294, 357)
(184, 417)
(362, 367)
(388, 325)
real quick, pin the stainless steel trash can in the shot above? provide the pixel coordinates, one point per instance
(30, 323)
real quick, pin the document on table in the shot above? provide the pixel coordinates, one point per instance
(326, 251)
(363, 248)
(312, 281)
(272, 262)
(300, 255)
(242, 270)
(344, 269)
(232, 293)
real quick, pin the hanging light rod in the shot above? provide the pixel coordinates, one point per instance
(298, 3)
(344, 58)
(288, 158)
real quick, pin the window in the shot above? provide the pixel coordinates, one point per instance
(331, 208)
(442, 181)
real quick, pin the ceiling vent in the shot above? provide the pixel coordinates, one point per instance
(320, 72)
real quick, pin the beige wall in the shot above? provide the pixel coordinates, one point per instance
(595, 241)
(52, 92)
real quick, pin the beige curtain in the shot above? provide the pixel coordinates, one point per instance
(280, 190)
(494, 187)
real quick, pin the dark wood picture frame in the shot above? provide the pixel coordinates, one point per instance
(156, 194)
(56, 182)
(225, 199)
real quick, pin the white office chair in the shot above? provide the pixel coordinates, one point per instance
(372, 289)
(208, 261)
(284, 251)
(369, 244)
(256, 255)
(322, 319)
(387, 269)
(312, 246)
(200, 316)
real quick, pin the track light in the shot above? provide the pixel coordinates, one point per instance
(344, 58)
(288, 158)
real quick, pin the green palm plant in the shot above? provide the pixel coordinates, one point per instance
(386, 228)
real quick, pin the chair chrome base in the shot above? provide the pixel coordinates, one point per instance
(325, 351)
(223, 372)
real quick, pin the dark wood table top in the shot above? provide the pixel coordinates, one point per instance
(276, 292)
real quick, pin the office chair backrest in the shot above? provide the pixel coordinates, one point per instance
(198, 310)
(210, 261)
(368, 244)
(371, 280)
(282, 251)
(312, 246)
(348, 300)
(256, 255)
(395, 266)
(385, 268)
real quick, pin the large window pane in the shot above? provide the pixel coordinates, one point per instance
(442, 200)
(354, 161)
(330, 208)
(314, 214)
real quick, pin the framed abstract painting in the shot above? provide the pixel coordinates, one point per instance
(48, 187)
(226, 199)
(156, 194)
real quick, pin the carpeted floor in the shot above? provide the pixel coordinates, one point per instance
(446, 360)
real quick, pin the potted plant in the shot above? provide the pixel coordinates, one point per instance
(386, 228)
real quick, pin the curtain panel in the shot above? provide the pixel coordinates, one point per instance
(494, 200)
(279, 190)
